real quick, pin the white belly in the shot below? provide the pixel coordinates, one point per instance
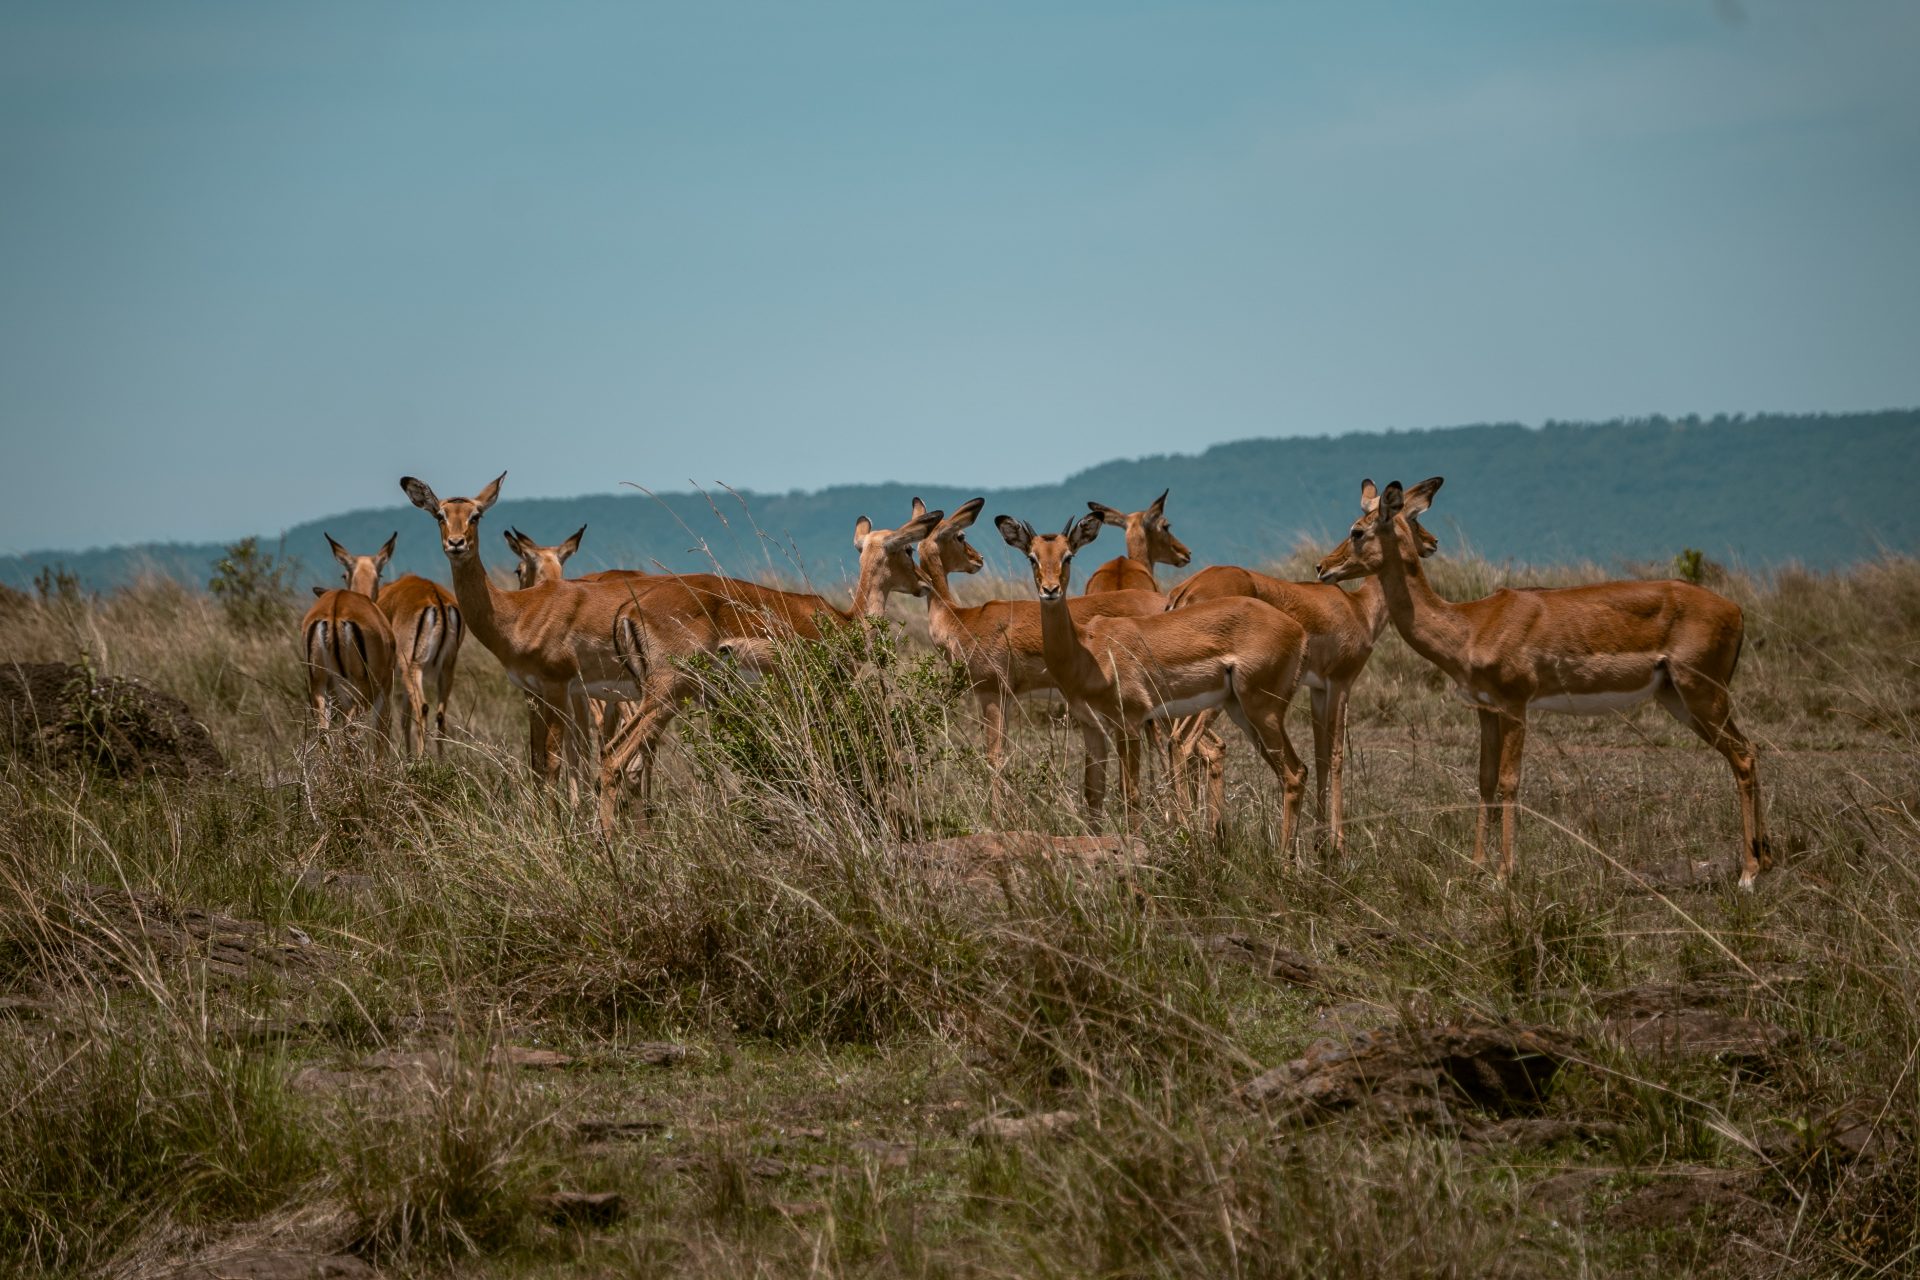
(1597, 704)
(1189, 706)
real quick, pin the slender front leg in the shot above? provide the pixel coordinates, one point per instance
(1513, 742)
(1093, 778)
(1489, 782)
(1322, 749)
(1336, 764)
(1130, 779)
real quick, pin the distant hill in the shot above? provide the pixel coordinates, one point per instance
(1823, 490)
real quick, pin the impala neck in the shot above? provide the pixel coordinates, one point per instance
(1434, 627)
(1071, 664)
(488, 612)
(1371, 601)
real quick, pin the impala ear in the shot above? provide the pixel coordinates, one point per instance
(1159, 506)
(919, 507)
(903, 538)
(1018, 533)
(1391, 500)
(1423, 541)
(320, 591)
(962, 519)
(516, 541)
(572, 544)
(386, 550)
(1118, 519)
(421, 495)
(1082, 531)
(487, 496)
(1369, 497)
(340, 553)
(861, 528)
(1420, 497)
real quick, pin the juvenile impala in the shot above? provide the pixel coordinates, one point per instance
(1590, 650)
(1118, 673)
(348, 646)
(1150, 541)
(1341, 628)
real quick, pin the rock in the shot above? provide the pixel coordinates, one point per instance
(62, 715)
(1276, 961)
(1744, 1043)
(271, 1264)
(112, 920)
(1014, 1128)
(584, 1208)
(514, 1055)
(1417, 1075)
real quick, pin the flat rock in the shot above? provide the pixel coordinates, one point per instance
(1015, 1128)
(1417, 1074)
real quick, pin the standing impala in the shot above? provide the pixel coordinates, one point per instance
(1000, 643)
(670, 618)
(348, 646)
(1118, 673)
(1150, 541)
(1587, 650)
(1341, 630)
(426, 638)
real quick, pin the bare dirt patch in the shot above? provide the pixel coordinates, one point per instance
(62, 715)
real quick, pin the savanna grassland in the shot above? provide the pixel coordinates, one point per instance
(318, 1017)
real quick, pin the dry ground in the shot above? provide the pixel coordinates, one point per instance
(314, 1018)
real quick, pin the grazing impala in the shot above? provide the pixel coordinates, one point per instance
(1341, 630)
(348, 645)
(672, 617)
(1119, 673)
(1000, 643)
(1588, 650)
(1150, 541)
(426, 638)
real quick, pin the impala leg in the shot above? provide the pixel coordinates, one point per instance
(626, 762)
(1129, 779)
(1706, 708)
(413, 707)
(1211, 751)
(1263, 716)
(1490, 732)
(442, 694)
(1513, 743)
(1322, 750)
(1336, 765)
(1093, 775)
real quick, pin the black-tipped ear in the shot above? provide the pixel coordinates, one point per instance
(1108, 515)
(572, 544)
(320, 591)
(1159, 505)
(1420, 497)
(1079, 533)
(386, 549)
(1392, 498)
(1369, 497)
(420, 495)
(919, 507)
(861, 528)
(489, 495)
(1018, 533)
(340, 553)
(961, 519)
(514, 538)
(904, 538)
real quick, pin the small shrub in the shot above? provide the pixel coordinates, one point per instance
(253, 586)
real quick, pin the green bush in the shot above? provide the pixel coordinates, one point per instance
(254, 586)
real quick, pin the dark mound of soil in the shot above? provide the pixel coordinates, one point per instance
(62, 715)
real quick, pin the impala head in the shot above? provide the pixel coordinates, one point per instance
(886, 555)
(947, 548)
(1150, 538)
(539, 564)
(459, 517)
(1362, 554)
(1050, 554)
(362, 573)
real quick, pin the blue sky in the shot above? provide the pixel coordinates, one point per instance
(257, 260)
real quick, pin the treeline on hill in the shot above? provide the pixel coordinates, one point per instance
(1758, 491)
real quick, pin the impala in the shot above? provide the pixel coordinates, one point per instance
(1590, 650)
(1000, 644)
(426, 632)
(1341, 628)
(670, 618)
(348, 646)
(1150, 541)
(1118, 673)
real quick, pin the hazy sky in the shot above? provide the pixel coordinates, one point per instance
(257, 260)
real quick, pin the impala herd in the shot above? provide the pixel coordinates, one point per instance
(605, 657)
